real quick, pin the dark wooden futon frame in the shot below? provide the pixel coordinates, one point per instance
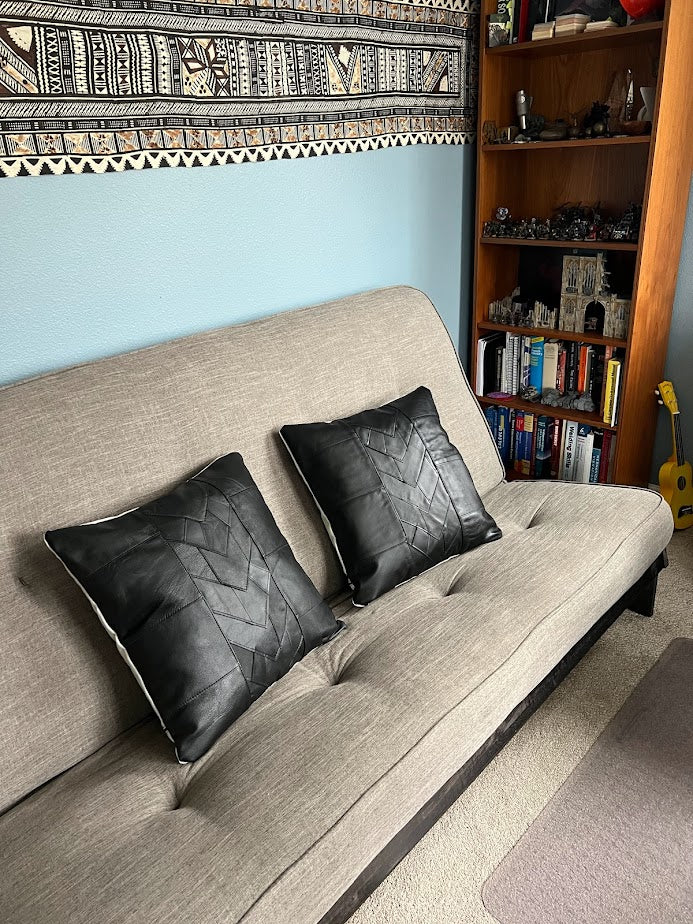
(640, 599)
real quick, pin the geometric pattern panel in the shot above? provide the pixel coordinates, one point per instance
(396, 493)
(203, 595)
(87, 86)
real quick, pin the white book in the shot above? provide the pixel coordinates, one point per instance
(570, 450)
(550, 368)
(583, 454)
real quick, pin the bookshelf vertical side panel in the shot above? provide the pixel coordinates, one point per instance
(669, 175)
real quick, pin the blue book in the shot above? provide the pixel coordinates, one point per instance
(491, 414)
(503, 440)
(536, 363)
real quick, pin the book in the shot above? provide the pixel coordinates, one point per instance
(599, 26)
(542, 454)
(523, 21)
(485, 363)
(572, 366)
(560, 372)
(528, 431)
(550, 367)
(504, 17)
(526, 359)
(498, 384)
(585, 366)
(536, 369)
(556, 433)
(569, 449)
(519, 440)
(613, 377)
(583, 453)
(543, 31)
(503, 438)
(596, 456)
(491, 415)
(607, 439)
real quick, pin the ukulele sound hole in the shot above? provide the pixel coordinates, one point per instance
(681, 482)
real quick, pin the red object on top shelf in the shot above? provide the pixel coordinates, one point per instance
(639, 8)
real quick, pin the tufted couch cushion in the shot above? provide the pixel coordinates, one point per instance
(92, 441)
(382, 716)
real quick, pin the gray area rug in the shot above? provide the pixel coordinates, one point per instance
(615, 844)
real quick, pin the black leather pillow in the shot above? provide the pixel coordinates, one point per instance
(394, 490)
(202, 596)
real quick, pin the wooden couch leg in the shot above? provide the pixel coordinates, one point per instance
(642, 597)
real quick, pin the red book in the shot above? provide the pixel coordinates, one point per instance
(604, 460)
(582, 369)
(519, 430)
(523, 32)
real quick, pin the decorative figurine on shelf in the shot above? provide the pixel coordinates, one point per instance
(571, 399)
(628, 228)
(596, 122)
(523, 104)
(543, 316)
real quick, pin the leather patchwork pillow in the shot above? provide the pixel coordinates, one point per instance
(394, 491)
(203, 597)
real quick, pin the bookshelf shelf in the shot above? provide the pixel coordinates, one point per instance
(624, 246)
(554, 333)
(624, 37)
(567, 143)
(535, 407)
(564, 76)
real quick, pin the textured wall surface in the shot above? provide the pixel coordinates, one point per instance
(679, 364)
(95, 265)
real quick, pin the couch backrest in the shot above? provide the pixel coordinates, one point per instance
(97, 439)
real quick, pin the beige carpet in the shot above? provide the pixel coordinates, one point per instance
(440, 881)
(616, 841)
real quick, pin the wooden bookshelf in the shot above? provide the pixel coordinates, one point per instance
(536, 407)
(567, 143)
(624, 246)
(556, 334)
(607, 40)
(565, 75)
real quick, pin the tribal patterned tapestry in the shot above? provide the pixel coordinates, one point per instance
(92, 86)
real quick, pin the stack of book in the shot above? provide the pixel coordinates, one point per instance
(515, 20)
(507, 363)
(600, 25)
(571, 23)
(541, 446)
(543, 30)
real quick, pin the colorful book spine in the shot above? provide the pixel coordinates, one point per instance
(527, 443)
(583, 453)
(613, 376)
(503, 439)
(560, 372)
(556, 433)
(607, 439)
(572, 365)
(569, 450)
(519, 440)
(550, 368)
(542, 455)
(536, 369)
(596, 456)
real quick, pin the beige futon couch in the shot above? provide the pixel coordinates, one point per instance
(308, 800)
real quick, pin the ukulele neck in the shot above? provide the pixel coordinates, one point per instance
(678, 439)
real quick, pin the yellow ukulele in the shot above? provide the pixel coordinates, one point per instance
(675, 477)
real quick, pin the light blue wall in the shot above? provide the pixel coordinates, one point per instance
(95, 265)
(679, 363)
